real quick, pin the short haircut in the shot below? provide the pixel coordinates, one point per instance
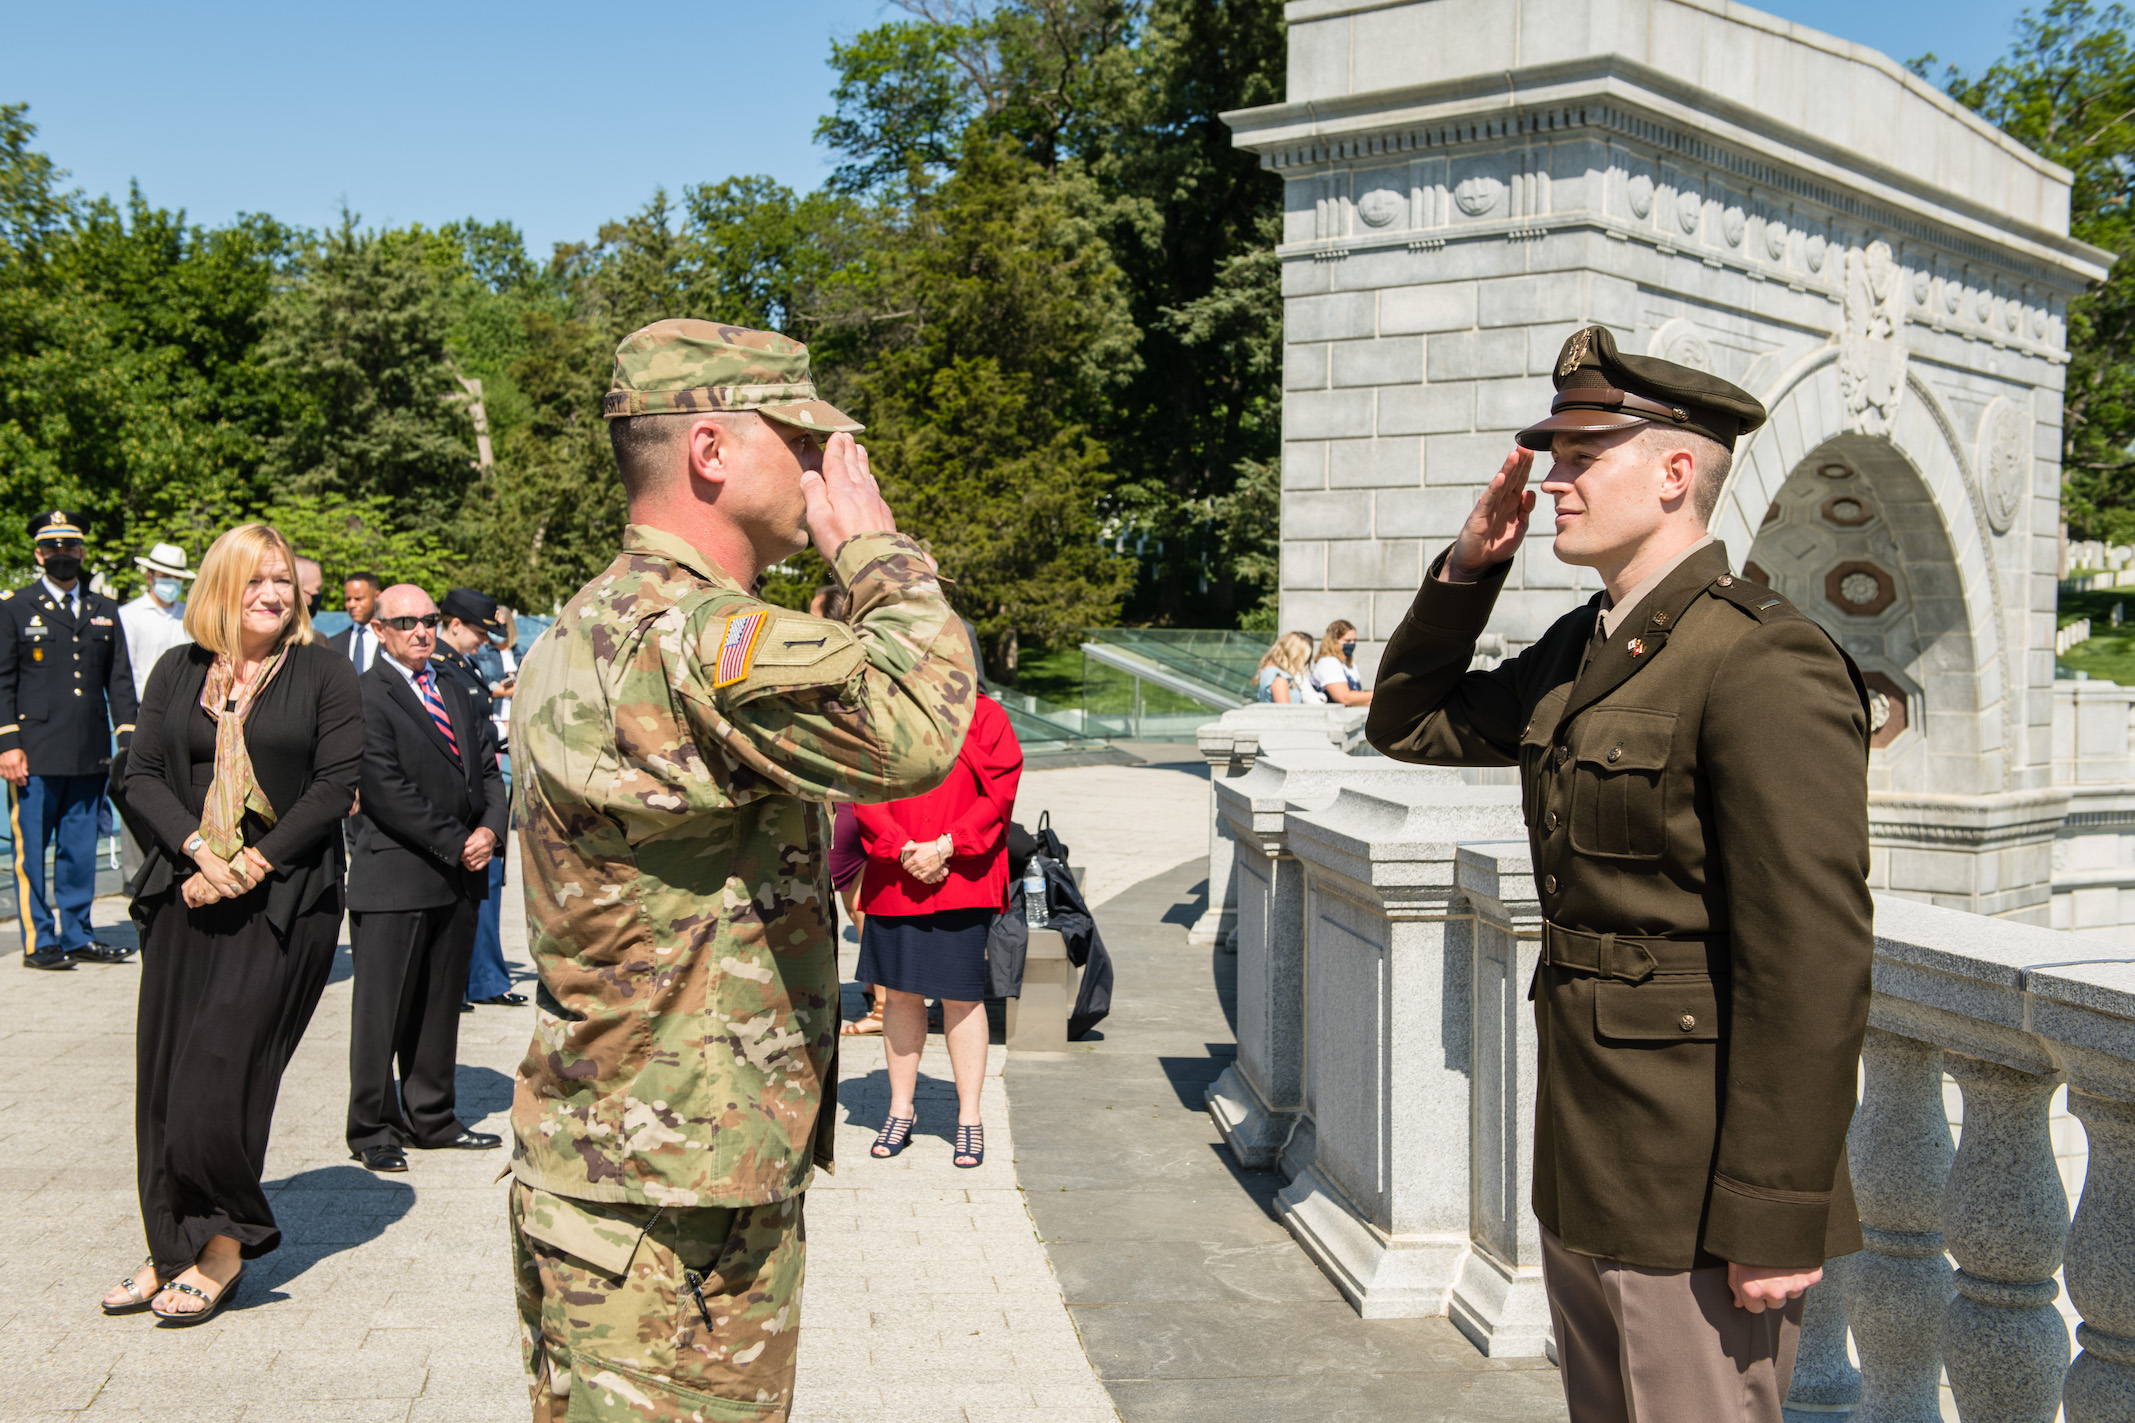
(377, 583)
(646, 449)
(312, 563)
(1711, 459)
(214, 610)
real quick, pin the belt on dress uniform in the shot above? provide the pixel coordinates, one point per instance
(1630, 957)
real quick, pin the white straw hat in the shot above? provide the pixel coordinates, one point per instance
(167, 558)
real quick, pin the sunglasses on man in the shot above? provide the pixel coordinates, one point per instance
(407, 624)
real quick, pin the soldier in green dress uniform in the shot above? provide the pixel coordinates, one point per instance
(1693, 755)
(674, 739)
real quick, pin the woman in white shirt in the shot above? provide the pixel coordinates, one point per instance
(1335, 673)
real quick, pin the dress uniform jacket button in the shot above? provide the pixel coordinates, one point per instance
(1550, 884)
(1615, 754)
(1564, 753)
(1686, 1022)
(1550, 820)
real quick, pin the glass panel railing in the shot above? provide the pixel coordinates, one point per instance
(1220, 664)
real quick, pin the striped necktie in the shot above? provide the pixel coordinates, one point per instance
(426, 680)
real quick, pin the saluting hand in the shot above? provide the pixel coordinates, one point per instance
(843, 498)
(1497, 523)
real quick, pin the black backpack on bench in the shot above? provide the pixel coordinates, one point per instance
(1008, 943)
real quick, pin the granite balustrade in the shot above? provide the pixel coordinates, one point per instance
(1387, 929)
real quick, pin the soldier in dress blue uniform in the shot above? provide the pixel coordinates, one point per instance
(65, 689)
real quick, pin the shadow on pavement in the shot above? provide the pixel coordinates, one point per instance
(1194, 1303)
(322, 1212)
(479, 1091)
(1190, 908)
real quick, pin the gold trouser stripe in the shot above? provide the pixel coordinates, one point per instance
(22, 876)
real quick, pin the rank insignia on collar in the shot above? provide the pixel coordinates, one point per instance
(1637, 645)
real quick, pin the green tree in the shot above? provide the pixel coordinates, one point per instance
(2066, 89)
(130, 388)
(1122, 101)
(1006, 333)
(360, 337)
(347, 535)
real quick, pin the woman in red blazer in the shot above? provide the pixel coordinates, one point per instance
(937, 875)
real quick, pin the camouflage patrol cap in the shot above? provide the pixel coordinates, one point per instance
(684, 367)
(1600, 388)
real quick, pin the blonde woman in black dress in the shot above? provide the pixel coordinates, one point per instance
(244, 763)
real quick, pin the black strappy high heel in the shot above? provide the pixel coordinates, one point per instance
(895, 1136)
(971, 1142)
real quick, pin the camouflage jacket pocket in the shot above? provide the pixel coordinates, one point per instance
(604, 1236)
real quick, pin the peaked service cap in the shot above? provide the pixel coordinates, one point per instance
(685, 367)
(1600, 388)
(56, 526)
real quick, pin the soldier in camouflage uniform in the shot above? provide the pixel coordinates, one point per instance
(676, 737)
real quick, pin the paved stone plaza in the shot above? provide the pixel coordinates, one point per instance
(931, 1293)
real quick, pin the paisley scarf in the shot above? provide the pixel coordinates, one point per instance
(235, 790)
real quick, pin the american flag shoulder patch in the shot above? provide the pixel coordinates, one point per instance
(737, 647)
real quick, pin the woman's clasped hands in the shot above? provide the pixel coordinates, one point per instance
(215, 878)
(926, 860)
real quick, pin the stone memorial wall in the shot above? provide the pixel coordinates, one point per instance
(1469, 181)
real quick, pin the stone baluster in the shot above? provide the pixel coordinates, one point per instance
(1231, 746)
(1497, 1298)
(1258, 1101)
(2006, 1216)
(1230, 752)
(1384, 1207)
(1897, 1289)
(2101, 1265)
(1825, 1381)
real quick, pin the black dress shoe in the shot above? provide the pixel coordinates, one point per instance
(503, 1000)
(97, 951)
(465, 1006)
(53, 957)
(469, 1141)
(381, 1158)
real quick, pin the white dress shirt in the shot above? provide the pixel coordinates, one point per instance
(362, 646)
(151, 630)
(71, 601)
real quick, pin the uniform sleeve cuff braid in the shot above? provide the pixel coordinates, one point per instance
(1766, 1227)
(1458, 607)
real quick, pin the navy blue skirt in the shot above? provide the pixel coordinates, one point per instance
(938, 955)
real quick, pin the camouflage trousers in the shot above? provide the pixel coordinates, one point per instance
(644, 1314)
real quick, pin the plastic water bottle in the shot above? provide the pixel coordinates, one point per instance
(1035, 913)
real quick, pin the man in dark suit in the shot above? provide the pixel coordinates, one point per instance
(358, 642)
(434, 813)
(66, 689)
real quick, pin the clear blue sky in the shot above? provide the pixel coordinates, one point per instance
(554, 116)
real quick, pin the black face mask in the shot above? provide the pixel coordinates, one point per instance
(62, 567)
(315, 602)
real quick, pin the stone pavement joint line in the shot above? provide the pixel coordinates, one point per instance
(928, 1296)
